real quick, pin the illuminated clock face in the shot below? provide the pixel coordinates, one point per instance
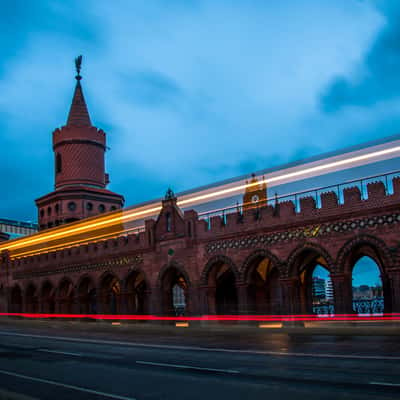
(255, 198)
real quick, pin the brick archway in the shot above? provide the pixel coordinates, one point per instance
(135, 292)
(218, 259)
(376, 250)
(173, 284)
(300, 269)
(254, 256)
(368, 245)
(87, 294)
(260, 276)
(315, 250)
(65, 296)
(109, 296)
(221, 277)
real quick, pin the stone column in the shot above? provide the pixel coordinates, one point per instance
(342, 293)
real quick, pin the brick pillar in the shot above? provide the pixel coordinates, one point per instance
(242, 292)
(393, 289)
(290, 296)
(123, 304)
(192, 301)
(203, 300)
(154, 298)
(99, 300)
(342, 293)
(210, 300)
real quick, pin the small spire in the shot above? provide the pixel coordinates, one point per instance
(78, 113)
(169, 195)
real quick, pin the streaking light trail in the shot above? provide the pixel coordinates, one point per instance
(122, 221)
(249, 318)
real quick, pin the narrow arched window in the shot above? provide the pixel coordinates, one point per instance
(58, 163)
(168, 221)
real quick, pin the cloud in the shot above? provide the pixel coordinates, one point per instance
(376, 77)
(150, 89)
(189, 92)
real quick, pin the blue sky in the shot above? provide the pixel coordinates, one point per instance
(365, 272)
(191, 92)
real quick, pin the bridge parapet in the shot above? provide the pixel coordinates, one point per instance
(310, 209)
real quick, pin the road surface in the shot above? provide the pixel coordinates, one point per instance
(60, 361)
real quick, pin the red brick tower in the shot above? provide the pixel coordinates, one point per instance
(80, 178)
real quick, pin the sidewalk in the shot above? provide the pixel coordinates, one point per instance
(130, 328)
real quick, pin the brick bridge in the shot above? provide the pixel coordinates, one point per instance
(260, 260)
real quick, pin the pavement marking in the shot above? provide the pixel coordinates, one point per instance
(229, 371)
(81, 389)
(67, 353)
(385, 384)
(197, 348)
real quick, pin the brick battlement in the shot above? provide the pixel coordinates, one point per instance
(88, 133)
(266, 218)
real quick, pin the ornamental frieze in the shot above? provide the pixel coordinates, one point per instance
(304, 233)
(133, 261)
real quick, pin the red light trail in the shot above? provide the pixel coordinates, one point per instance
(249, 318)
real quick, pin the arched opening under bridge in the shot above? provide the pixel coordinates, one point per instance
(263, 287)
(174, 292)
(135, 295)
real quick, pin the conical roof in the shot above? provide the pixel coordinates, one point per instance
(78, 113)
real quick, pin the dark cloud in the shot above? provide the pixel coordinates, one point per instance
(379, 75)
(151, 89)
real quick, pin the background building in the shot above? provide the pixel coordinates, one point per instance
(16, 229)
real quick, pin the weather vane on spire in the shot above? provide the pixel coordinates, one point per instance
(78, 65)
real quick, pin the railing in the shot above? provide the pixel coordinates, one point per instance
(323, 309)
(295, 197)
(369, 306)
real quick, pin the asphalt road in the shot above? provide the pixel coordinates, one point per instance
(51, 361)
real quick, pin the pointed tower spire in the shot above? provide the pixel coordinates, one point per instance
(78, 113)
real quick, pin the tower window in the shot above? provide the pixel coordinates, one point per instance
(71, 206)
(58, 163)
(168, 221)
(102, 208)
(89, 206)
(48, 210)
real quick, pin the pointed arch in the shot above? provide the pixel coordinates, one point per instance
(253, 257)
(110, 292)
(218, 259)
(315, 250)
(367, 245)
(132, 272)
(177, 266)
(135, 292)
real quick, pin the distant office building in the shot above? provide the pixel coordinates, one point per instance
(16, 229)
(329, 289)
(318, 288)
